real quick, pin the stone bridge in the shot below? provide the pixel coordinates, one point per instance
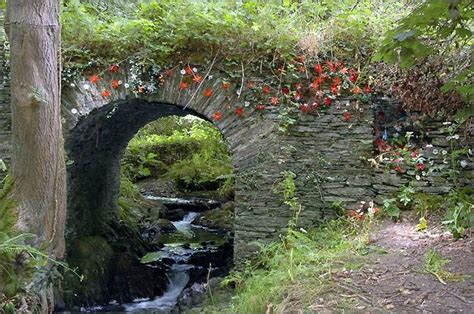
(327, 155)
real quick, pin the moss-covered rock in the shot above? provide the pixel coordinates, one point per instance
(219, 218)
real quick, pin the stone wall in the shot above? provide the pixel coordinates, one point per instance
(328, 155)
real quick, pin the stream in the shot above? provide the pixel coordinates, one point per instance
(192, 254)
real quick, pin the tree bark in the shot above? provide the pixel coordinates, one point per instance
(38, 166)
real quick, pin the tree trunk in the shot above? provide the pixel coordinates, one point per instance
(38, 167)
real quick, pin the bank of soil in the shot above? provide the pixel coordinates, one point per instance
(397, 282)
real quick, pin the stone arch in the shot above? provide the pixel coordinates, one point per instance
(98, 129)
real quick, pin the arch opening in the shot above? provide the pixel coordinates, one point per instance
(95, 149)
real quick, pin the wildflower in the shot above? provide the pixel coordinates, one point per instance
(414, 154)
(208, 92)
(188, 70)
(318, 68)
(250, 84)
(73, 85)
(225, 85)
(106, 93)
(126, 85)
(420, 166)
(274, 101)
(336, 81)
(94, 79)
(367, 89)
(357, 90)
(297, 96)
(334, 89)
(353, 76)
(344, 70)
(285, 90)
(195, 70)
(197, 79)
(183, 86)
(260, 107)
(444, 152)
(332, 66)
(266, 89)
(74, 111)
(182, 72)
(398, 169)
(169, 72)
(302, 69)
(328, 101)
(346, 116)
(239, 111)
(114, 68)
(463, 163)
(304, 108)
(115, 84)
(86, 86)
(417, 177)
(217, 116)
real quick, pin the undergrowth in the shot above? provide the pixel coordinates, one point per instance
(189, 151)
(273, 283)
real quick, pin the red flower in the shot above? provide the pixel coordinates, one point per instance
(297, 96)
(328, 101)
(250, 84)
(106, 93)
(260, 107)
(189, 70)
(335, 89)
(318, 68)
(266, 89)
(353, 76)
(285, 90)
(169, 72)
(319, 80)
(346, 116)
(315, 106)
(114, 68)
(302, 69)
(197, 79)
(274, 101)
(183, 85)
(352, 213)
(367, 89)
(239, 111)
(414, 154)
(115, 84)
(208, 92)
(225, 85)
(357, 90)
(94, 79)
(420, 166)
(336, 81)
(332, 66)
(398, 169)
(304, 108)
(298, 86)
(344, 70)
(217, 116)
(314, 85)
(300, 58)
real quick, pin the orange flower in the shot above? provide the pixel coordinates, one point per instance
(357, 90)
(208, 92)
(106, 93)
(250, 84)
(183, 85)
(346, 116)
(197, 79)
(274, 101)
(115, 84)
(217, 116)
(336, 81)
(189, 70)
(318, 68)
(225, 85)
(266, 89)
(239, 111)
(344, 70)
(94, 79)
(302, 69)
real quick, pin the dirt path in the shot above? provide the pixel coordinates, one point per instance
(397, 281)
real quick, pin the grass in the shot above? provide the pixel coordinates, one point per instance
(435, 265)
(296, 272)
